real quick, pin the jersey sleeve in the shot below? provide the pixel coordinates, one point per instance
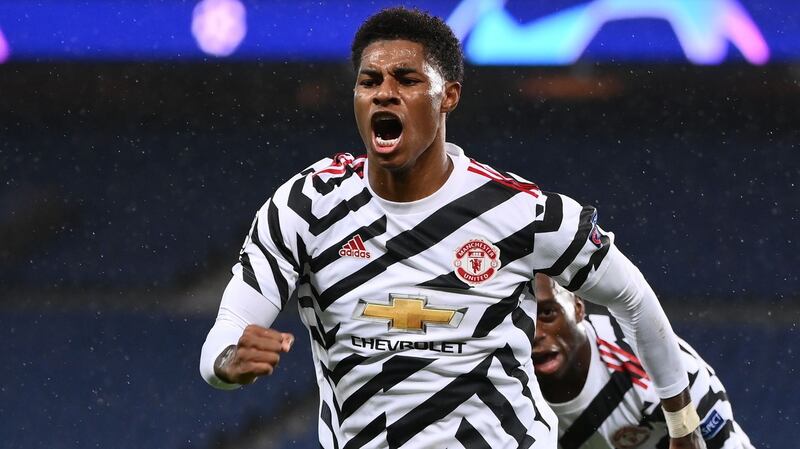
(263, 281)
(569, 245)
(240, 306)
(579, 255)
(717, 424)
(268, 260)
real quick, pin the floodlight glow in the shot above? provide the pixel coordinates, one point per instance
(703, 29)
(219, 26)
(5, 50)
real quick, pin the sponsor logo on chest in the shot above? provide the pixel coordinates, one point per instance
(408, 313)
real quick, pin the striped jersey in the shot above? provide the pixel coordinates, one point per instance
(618, 407)
(413, 308)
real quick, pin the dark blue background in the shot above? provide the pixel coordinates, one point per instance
(125, 30)
(123, 186)
(122, 380)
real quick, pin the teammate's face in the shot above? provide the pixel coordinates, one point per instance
(558, 335)
(400, 100)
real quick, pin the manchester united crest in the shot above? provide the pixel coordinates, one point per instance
(630, 437)
(476, 261)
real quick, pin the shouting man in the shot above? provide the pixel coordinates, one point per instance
(409, 266)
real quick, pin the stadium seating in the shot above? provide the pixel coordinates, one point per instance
(159, 209)
(130, 380)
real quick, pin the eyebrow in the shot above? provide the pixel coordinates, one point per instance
(370, 72)
(399, 71)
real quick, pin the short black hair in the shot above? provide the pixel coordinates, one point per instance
(438, 40)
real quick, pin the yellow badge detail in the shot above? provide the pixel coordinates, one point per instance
(406, 313)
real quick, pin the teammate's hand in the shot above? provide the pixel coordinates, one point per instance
(692, 441)
(256, 354)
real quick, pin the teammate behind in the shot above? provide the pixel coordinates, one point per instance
(594, 382)
(409, 265)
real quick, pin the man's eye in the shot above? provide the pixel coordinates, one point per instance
(367, 83)
(546, 313)
(408, 81)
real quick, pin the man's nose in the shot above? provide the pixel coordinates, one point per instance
(386, 94)
(538, 335)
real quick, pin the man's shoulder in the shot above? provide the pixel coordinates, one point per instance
(504, 178)
(606, 329)
(615, 351)
(337, 166)
(516, 183)
(325, 176)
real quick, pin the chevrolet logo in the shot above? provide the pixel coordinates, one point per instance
(408, 313)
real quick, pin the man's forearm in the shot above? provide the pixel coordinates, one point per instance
(222, 362)
(240, 306)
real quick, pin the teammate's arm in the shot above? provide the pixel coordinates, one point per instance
(678, 406)
(623, 290)
(585, 260)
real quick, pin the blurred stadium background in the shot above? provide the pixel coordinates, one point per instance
(137, 139)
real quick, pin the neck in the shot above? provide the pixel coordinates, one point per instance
(421, 178)
(563, 388)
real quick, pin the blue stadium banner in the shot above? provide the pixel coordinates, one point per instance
(494, 32)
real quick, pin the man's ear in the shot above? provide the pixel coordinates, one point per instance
(452, 94)
(580, 312)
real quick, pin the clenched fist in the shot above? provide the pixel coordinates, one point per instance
(257, 353)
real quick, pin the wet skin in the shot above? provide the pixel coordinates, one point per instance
(400, 102)
(561, 351)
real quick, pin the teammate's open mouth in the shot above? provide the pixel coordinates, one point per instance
(546, 362)
(387, 129)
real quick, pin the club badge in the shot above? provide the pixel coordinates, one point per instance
(476, 261)
(630, 437)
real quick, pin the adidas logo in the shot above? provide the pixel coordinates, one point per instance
(355, 248)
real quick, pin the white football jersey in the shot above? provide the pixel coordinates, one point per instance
(618, 407)
(417, 337)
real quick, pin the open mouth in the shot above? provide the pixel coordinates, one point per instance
(546, 362)
(387, 129)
